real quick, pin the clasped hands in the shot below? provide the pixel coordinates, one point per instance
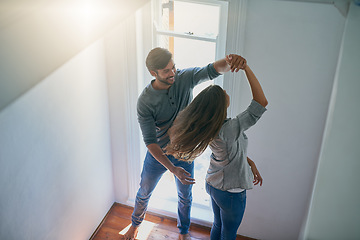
(236, 62)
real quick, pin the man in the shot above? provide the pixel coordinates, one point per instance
(157, 108)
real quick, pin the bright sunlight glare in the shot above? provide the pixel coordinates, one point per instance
(145, 230)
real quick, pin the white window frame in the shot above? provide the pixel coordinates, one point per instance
(219, 40)
(235, 40)
(201, 214)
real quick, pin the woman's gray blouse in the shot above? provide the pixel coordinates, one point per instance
(229, 168)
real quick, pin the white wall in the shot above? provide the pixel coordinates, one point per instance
(55, 159)
(120, 45)
(293, 49)
(124, 47)
(335, 211)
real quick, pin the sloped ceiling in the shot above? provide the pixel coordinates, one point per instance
(38, 36)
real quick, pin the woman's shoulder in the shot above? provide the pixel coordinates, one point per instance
(228, 129)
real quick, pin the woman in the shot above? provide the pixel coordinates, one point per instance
(231, 172)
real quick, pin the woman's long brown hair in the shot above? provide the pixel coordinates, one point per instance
(198, 124)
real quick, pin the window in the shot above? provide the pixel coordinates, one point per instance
(194, 31)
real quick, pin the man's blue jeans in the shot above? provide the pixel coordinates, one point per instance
(228, 211)
(150, 176)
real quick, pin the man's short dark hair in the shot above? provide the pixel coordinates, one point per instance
(158, 58)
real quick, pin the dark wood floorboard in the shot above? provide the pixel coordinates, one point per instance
(155, 227)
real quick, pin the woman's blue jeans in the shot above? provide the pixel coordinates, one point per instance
(150, 176)
(228, 211)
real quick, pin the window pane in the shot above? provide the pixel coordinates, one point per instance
(200, 195)
(199, 19)
(187, 17)
(189, 52)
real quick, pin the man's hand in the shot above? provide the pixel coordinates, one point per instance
(179, 172)
(236, 62)
(184, 176)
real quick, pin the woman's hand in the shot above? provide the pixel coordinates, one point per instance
(257, 177)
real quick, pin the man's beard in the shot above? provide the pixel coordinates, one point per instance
(164, 80)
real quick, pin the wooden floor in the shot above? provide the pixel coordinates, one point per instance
(154, 227)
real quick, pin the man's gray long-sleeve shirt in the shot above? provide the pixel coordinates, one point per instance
(157, 109)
